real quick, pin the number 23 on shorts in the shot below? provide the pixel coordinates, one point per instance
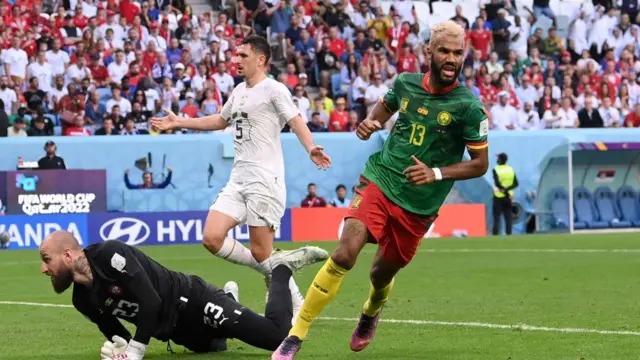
(418, 131)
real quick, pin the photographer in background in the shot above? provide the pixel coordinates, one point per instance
(147, 181)
(51, 161)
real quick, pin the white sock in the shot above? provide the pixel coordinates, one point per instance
(296, 297)
(233, 251)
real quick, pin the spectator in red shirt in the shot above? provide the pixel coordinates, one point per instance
(77, 128)
(481, 39)
(407, 61)
(190, 108)
(396, 35)
(338, 46)
(633, 119)
(339, 118)
(312, 199)
(99, 72)
(292, 77)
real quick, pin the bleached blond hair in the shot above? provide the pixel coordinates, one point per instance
(447, 29)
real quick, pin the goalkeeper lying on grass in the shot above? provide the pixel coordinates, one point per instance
(113, 281)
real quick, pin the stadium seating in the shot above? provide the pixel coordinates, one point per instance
(629, 205)
(605, 202)
(585, 209)
(559, 205)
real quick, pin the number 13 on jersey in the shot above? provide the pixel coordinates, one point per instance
(418, 131)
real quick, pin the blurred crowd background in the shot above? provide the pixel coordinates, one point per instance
(87, 67)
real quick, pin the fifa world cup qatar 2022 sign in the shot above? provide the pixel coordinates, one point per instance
(40, 192)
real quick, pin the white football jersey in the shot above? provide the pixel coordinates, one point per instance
(257, 115)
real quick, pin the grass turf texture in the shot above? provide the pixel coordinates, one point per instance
(553, 281)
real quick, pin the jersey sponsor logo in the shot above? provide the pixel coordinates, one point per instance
(108, 302)
(423, 111)
(130, 230)
(444, 118)
(118, 262)
(404, 104)
(483, 130)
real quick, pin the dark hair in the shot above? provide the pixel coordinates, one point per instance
(259, 44)
(310, 185)
(341, 187)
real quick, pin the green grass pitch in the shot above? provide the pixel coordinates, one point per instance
(550, 297)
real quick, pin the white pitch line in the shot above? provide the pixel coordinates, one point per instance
(521, 327)
(529, 250)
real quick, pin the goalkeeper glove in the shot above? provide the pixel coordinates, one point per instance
(113, 348)
(134, 351)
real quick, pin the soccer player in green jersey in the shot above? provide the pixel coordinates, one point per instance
(404, 185)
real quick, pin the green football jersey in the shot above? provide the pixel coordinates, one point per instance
(436, 128)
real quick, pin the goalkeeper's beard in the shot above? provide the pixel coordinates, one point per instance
(62, 281)
(436, 73)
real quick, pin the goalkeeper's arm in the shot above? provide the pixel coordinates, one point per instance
(108, 324)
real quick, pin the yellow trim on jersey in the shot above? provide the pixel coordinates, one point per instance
(386, 106)
(478, 145)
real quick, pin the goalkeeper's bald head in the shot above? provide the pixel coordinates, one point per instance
(59, 252)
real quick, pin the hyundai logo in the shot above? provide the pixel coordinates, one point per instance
(130, 230)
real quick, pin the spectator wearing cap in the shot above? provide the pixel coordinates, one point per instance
(38, 127)
(15, 62)
(181, 80)
(339, 118)
(18, 128)
(51, 161)
(117, 99)
(190, 109)
(154, 35)
(503, 115)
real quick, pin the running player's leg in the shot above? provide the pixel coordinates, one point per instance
(403, 239)
(365, 222)
(227, 211)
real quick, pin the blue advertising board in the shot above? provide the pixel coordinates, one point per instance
(164, 228)
(27, 232)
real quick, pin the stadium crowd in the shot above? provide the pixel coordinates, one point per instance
(86, 67)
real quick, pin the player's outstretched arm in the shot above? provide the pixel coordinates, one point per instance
(173, 121)
(316, 152)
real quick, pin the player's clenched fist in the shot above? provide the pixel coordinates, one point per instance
(109, 349)
(419, 174)
(368, 127)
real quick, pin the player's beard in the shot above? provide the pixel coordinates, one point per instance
(436, 73)
(62, 281)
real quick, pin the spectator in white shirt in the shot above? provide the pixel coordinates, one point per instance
(610, 115)
(363, 16)
(302, 102)
(527, 93)
(360, 84)
(154, 35)
(89, 9)
(15, 61)
(119, 68)
(196, 46)
(493, 65)
(58, 59)
(528, 118)
(503, 115)
(43, 71)
(8, 96)
(58, 91)
(554, 118)
(556, 92)
(78, 71)
(375, 92)
(224, 81)
(124, 104)
(570, 115)
(588, 94)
